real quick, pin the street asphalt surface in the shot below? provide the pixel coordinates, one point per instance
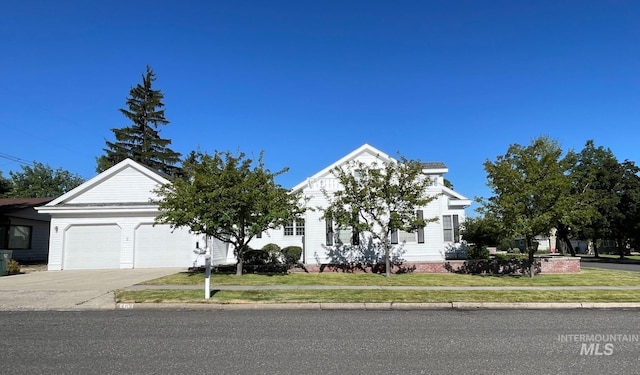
(320, 342)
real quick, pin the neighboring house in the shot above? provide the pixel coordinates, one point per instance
(23, 230)
(320, 239)
(108, 222)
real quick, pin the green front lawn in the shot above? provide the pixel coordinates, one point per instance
(588, 276)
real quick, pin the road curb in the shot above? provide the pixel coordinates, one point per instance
(378, 306)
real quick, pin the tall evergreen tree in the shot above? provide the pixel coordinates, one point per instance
(141, 141)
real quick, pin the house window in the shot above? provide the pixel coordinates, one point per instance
(288, 228)
(15, 237)
(294, 226)
(451, 228)
(329, 231)
(355, 237)
(406, 236)
(394, 236)
(420, 215)
(299, 227)
(345, 236)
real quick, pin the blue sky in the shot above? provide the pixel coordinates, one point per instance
(309, 81)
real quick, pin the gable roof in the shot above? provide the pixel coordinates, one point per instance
(9, 205)
(364, 149)
(429, 167)
(106, 175)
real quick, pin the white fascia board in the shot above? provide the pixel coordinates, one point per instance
(438, 171)
(61, 210)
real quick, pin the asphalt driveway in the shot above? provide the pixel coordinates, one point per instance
(71, 290)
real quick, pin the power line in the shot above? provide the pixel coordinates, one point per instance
(15, 159)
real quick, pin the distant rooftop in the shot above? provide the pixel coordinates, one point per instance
(8, 205)
(433, 165)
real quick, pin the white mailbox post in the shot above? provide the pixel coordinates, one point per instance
(207, 278)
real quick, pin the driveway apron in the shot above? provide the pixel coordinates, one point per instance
(71, 290)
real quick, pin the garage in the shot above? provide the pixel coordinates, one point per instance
(92, 247)
(158, 246)
(107, 222)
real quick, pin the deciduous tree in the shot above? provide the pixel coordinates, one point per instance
(599, 173)
(5, 185)
(531, 186)
(379, 198)
(228, 197)
(41, 181)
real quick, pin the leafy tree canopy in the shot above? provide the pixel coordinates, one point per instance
(41, 181)
(229, 197)
(379, 198)
(5, 185)
(530, 186)
(141, 141)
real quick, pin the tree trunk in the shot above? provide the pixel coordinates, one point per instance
(620, 248)
(531, 250)
(532, 266)
(563, 239)
(595, 249)
(239, 266)
(567, 242)
(387, 260)
(240, 257)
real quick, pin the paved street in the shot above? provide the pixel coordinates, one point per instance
(611, 266)
(319, 342)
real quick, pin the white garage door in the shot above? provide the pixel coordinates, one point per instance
(157, 246)
(92, 247)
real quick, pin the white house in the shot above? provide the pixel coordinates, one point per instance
(108, 222)
(319, 239)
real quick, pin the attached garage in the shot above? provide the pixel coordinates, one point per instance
(158, 246)
(102, 253)
(107, 222)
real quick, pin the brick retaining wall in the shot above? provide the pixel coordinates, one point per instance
(547, 265)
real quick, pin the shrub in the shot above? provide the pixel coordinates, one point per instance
(274, 252)
(505, 244)
(511, 256)
(13, 267)
(291, 255)
(255, 257)
(477, 252)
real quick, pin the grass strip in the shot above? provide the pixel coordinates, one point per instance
(374, 296)
(588, 276)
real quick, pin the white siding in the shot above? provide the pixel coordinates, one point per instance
(129, 185)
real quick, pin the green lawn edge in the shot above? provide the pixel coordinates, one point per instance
(373, 296)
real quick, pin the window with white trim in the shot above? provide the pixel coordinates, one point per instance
(294, 226)
(451, 228)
